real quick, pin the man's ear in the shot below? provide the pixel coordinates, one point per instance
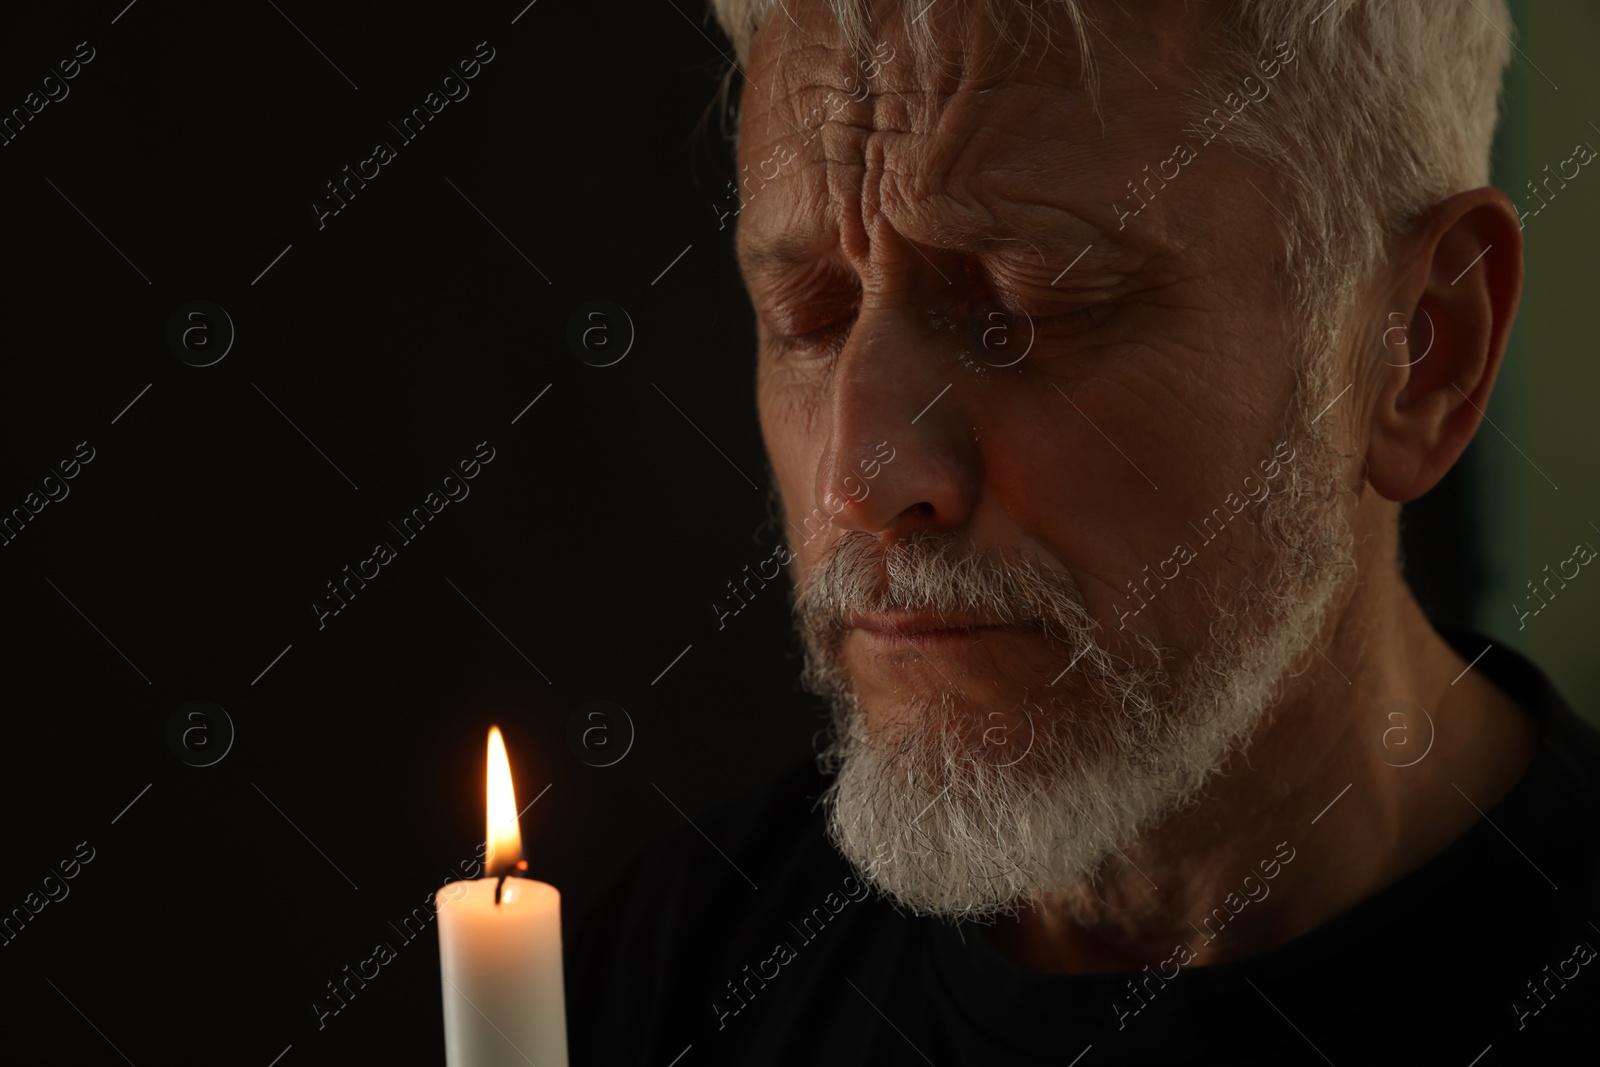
(1461, 283)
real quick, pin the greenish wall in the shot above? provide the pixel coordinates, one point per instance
(1549, 391)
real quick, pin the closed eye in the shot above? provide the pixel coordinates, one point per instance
(1001, 320)
(826, 340)
(1075, 321)
(823, 340)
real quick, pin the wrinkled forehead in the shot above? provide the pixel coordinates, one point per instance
(1082, 50)
(961, 108)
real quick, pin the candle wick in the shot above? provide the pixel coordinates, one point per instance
(518, 871)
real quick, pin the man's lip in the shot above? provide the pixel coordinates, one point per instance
(921, 625)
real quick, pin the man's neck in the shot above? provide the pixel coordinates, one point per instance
(1330, 805)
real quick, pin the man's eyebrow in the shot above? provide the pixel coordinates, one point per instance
(764, 255)
(1051, 240)
(1048, 240)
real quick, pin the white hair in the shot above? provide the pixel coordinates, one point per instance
(1392, 109)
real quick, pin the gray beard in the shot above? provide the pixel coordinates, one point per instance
(961, 823)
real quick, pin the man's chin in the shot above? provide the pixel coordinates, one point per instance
(951, 820)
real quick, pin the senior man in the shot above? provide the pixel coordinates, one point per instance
(1099, 346)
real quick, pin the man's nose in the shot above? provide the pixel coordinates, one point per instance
(899, 454)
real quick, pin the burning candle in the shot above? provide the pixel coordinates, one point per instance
(500, 949)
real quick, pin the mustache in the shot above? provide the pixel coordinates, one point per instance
(929, 571)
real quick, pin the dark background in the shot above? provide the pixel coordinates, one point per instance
(375, 353)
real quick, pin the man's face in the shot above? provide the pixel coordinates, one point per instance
(964, 357)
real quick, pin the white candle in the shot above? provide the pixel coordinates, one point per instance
(500, 962)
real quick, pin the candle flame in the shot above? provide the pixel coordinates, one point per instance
(504, 838)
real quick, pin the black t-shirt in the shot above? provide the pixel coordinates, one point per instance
(759, 946)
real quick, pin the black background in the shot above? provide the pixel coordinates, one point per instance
(391, 341)
(397, 337)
